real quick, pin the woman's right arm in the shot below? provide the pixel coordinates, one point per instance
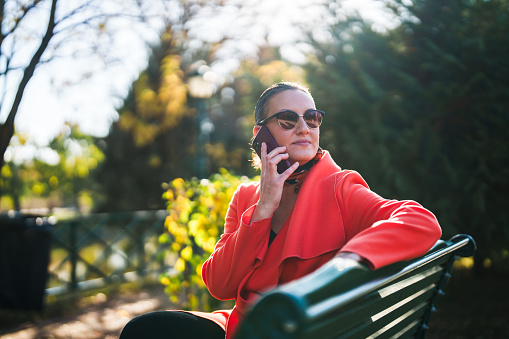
(244, 242)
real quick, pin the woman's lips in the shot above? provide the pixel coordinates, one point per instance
(302, 142)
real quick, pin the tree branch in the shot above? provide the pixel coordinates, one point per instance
(17, 21)
(7, 129)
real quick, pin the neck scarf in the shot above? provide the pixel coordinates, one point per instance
(297, 177)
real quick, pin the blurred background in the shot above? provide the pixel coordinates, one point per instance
(125, 126)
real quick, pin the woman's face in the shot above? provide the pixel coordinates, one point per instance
(301, 142)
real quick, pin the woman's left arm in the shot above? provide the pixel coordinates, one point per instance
(383, 231)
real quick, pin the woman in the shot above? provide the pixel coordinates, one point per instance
(289, 224)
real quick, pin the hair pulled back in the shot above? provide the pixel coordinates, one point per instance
(261, 104)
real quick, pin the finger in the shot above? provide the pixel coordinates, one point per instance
(263, 154)
(278, 158)
(289, 170)
(264, 150)
(277, 150)
(273, 158)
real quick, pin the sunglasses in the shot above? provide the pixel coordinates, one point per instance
(288, 119)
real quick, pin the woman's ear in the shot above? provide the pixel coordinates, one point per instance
(256, 128)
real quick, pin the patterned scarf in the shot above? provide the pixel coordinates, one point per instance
(297, 177)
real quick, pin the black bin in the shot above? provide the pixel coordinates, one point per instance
(24, 257)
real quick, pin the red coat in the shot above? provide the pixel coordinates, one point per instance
(335, 211)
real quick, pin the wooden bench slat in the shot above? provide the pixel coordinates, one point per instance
(383, 294)
(401, 323)
(348, 317)
(410, 310)
(352, 323)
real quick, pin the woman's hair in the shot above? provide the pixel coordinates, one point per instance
(261, 105)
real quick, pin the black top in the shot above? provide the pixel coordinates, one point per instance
(272, 236)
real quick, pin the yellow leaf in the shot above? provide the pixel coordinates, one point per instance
(193, 301)
(53, 182)
(180, 265)
(177, 183)
(169, 195)
(164, 238)
(175, 247)
(187, 253)
(193, 226)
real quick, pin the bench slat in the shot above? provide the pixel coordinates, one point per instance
(354, 321)
(411, 310)
(421, 280)
(374, 305)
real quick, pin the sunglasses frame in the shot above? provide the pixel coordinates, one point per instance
(264, 121)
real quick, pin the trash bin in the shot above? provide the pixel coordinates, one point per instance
(24, 257)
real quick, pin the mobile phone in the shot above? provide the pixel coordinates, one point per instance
(264, 135)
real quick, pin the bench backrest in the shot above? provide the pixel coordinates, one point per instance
(345, 299)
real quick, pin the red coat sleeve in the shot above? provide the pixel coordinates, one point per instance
(380, 230)
(239, 250)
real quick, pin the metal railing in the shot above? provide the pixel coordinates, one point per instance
(100, 249)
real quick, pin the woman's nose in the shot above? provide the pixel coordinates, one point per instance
(301, 126)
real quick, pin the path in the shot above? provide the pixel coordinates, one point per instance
(99, 317)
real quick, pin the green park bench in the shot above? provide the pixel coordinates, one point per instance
(345, 299)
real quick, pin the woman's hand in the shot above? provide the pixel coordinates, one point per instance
(271, 182)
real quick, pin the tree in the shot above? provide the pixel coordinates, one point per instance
(69, 179)
(420, 110)
(23, 49)
(60, 179)
(156, 136)
(152, 140)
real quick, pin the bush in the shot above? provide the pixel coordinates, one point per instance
(197, 210)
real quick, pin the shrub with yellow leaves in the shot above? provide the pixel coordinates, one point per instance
(197, 210)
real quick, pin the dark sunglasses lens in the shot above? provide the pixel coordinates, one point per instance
(313, 118)
(287, 120)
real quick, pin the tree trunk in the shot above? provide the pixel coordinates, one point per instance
(7, 129)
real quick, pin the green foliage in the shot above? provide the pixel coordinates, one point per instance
(64, 181)
(421, 111)
(197, 210)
